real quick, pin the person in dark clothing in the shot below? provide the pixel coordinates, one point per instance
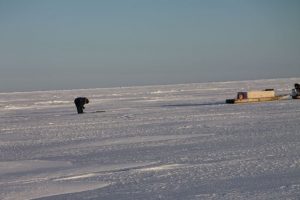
(80, 102)
(297, 87)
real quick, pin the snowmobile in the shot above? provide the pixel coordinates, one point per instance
(295, 94)
(296, 91)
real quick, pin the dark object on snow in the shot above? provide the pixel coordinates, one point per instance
(297, 87)
(296, 92)
(79, 102)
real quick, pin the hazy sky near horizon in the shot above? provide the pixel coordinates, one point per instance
(72, 44)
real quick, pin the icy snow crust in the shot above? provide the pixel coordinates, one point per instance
(156, 142)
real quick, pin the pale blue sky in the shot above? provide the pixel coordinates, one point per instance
(72, 44)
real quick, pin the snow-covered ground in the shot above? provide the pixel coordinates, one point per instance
(156, 142)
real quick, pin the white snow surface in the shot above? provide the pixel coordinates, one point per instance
(153, 142)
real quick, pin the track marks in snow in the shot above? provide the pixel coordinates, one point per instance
(61, 181)
(52, 189)
(30, 165)
(162, 167)
(83, 176)
(134, 140)
(94, 171)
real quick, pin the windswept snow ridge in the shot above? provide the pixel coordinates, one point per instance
(155, 142)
